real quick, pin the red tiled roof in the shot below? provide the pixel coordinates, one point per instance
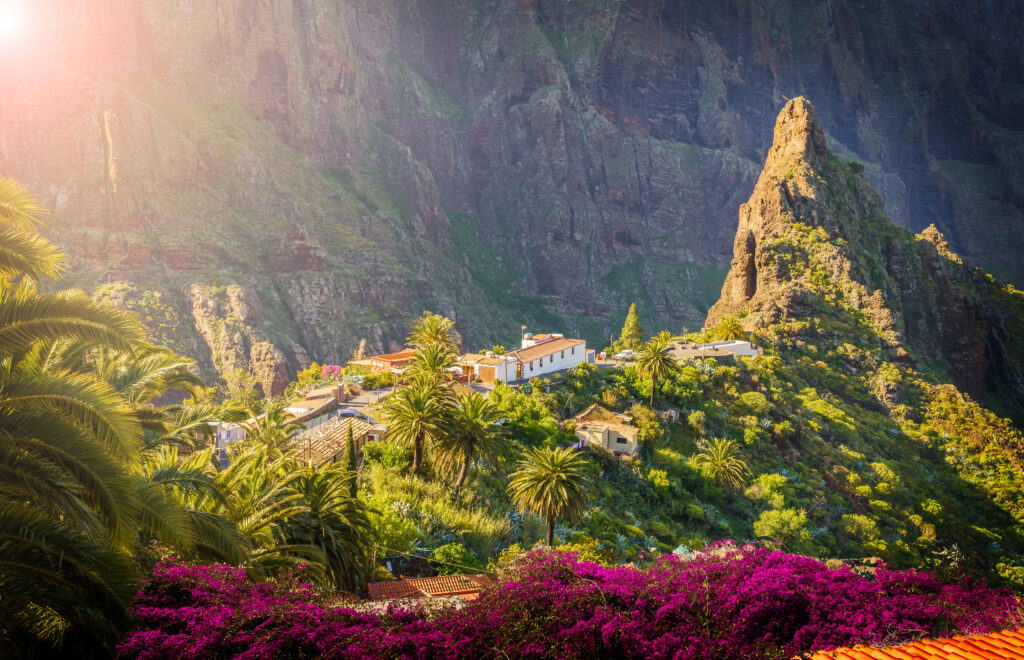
(465, 586)
(1005, 645)
(546, 348)
(393, 357)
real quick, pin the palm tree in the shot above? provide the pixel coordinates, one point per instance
(729, 328)
(272, 427)
(333, 521)
(653, 362)
(431, 328)
(417, 414)
(721, 459)
(23, 252)
(432, 360)
(551, 482)
(472, 436)
(68, 508)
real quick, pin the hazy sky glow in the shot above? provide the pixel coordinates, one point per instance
(14, 22)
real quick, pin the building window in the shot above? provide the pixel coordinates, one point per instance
(573, 350)
(563, 354)
(621, 441)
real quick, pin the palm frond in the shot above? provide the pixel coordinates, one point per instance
(18, 208)
(31, 255)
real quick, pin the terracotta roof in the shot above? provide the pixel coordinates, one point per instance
(328, 441)
(546, 348)
(466, 586)
(626, 430)
(392, 357)
(479, 358)
(597, 413)
(1004, 645)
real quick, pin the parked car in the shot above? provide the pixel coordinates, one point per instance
(627, 354)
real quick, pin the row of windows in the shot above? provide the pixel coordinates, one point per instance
(551, 358)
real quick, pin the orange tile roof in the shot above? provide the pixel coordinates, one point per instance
(465, 586)
(545, 348)
(1005, 645)
(394, 357)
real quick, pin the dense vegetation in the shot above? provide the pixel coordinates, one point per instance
(729, 602)
(825, 446)
(98, 477)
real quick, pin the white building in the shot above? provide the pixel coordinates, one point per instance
(547, 353)
(734, 346)
(488, 367)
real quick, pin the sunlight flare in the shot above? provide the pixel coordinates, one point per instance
(13, 22)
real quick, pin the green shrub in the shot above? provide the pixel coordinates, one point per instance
(455, 557)
(387, 454)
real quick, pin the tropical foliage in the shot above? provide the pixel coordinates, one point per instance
(552, 483)
(729, 602)
(93, 470)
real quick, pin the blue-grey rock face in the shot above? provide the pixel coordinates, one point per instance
(343, 165)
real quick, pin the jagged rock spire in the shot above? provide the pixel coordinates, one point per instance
(798, 149)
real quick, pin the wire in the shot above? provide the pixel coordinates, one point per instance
(436, 561)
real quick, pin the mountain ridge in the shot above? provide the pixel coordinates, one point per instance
(923, 301)
(350, 164)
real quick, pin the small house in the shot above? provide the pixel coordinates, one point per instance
(463, 587)
(487, 367)
(389, 362)
(614, 431)
(326, 444)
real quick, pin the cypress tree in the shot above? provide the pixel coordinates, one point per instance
(632, 331)
(350, 460)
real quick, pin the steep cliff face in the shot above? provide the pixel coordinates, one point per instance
(816, 259)
(349, 163)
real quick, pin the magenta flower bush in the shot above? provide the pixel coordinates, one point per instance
(329, 371)
(726, 603)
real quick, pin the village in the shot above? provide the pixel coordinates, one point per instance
(330, 416)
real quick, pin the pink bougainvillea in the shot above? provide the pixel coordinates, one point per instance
(728, 602)
(329, 371)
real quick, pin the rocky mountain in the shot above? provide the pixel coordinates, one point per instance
(894, 360)
(816, 258)
(269, 182)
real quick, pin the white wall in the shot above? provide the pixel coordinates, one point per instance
(560, 363)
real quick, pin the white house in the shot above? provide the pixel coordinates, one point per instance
(488, 367)
(544, 354)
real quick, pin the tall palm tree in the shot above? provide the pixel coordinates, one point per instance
(431, 328)
(471, 436)
(333, 521)
(68, 507)
(417, 414)
(653, 362)
(729, 328)
(721, 458)
(554, 483)
(432, 360)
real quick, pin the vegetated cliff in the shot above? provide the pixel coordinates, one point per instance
(347, 164)
(886, 354)
(814, 248)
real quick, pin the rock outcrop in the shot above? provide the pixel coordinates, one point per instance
(350, 163)
(816, 258)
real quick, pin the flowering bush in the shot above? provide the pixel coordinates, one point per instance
(331, 371)
(727, 602)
